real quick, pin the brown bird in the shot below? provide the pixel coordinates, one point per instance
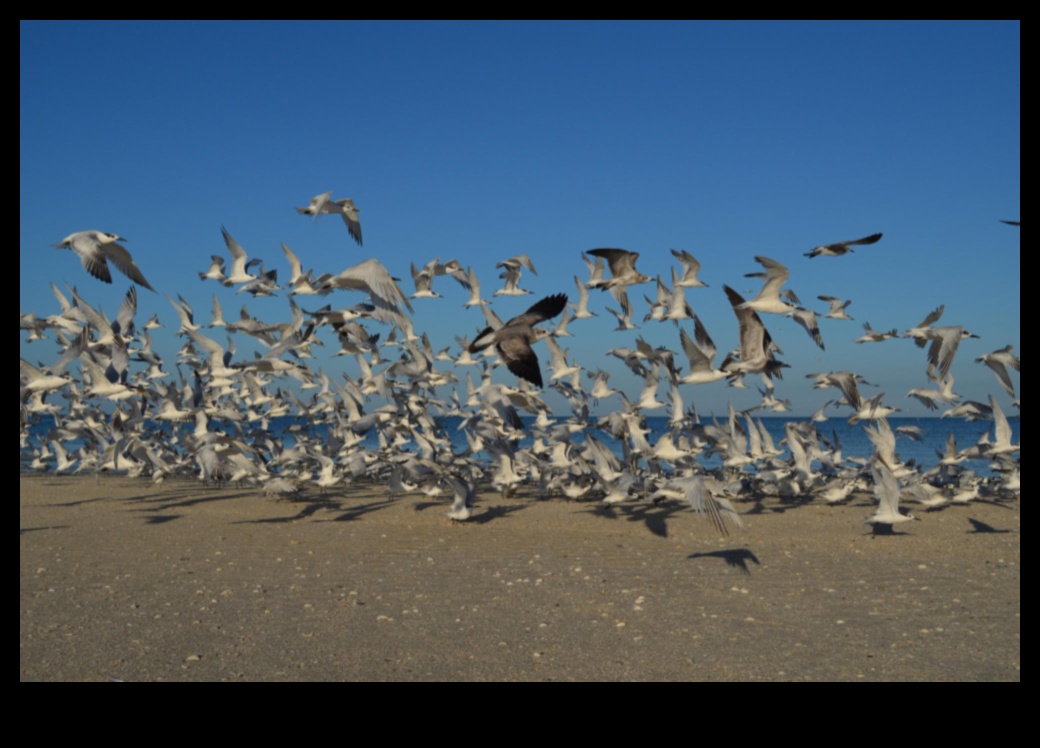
(839, 248)
(514, 339)
(622, 268)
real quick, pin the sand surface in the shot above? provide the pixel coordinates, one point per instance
(121, 580)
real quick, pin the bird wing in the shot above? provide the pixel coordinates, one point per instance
(545, 309)
(515, 350)
(125, 264)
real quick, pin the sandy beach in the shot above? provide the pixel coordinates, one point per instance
(125, 581)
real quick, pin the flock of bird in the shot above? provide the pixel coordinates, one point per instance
(208, 416)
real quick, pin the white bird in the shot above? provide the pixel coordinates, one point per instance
(465, 496)
(1001, 431)
(756, 344)
(998, 361)
(372, 277)
(423, 280)
(931, 398)
(886, 489)
(920, 333)
(837, 310)
(945, 341)
(581, 310)
(96, 248)
(690, 268)
(516, 263)
(874, 336)
(345, 208)
(512, 282)
(240, 262)
(807, 319)
(701, 355)
(768, 299)
(698, 491)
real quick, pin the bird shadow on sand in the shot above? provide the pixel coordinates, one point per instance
(480, 515)
(979, 526)
(776, 505)
(653, 516)
(881, 529)
(182, 499)
(738, 558)
(345, 512)
(24, 530)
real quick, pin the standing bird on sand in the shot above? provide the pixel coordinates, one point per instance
(839, 248)
(514, 339)
(345, 208)
(95, 248)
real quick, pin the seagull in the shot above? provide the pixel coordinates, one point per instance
(875, 336)
(622, 265)
(215, 270)
(756, 344)
(701, 355)
(512, 282)
(464, 497)
(690, 268)
(944, 347)
(837, 310)
(516, 263)
(581, 311)
(886, 489)
(807, 319)
(920, 333)
(769, 299)
(999, 361)
(930, 398)
(372, 277)
(839, 248)
(240, 263)
(513, 340)
(322, 204)
(423, 280)
(95, 248)
(698, 491)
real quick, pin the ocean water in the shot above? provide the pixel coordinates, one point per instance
(853, 438)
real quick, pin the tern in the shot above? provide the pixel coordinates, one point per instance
(838, 307)
(96, 248)
(690, 267)
(945, 341)
(769, 298)
(345, 208)
(886, 489)
(998, 361)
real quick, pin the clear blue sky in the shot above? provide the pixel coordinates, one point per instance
(478, 141)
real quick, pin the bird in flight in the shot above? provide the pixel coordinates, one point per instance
(839, 248)
(514, 339)
(96, 248)
(323, 204)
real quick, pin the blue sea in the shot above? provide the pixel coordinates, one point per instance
(853, 438)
